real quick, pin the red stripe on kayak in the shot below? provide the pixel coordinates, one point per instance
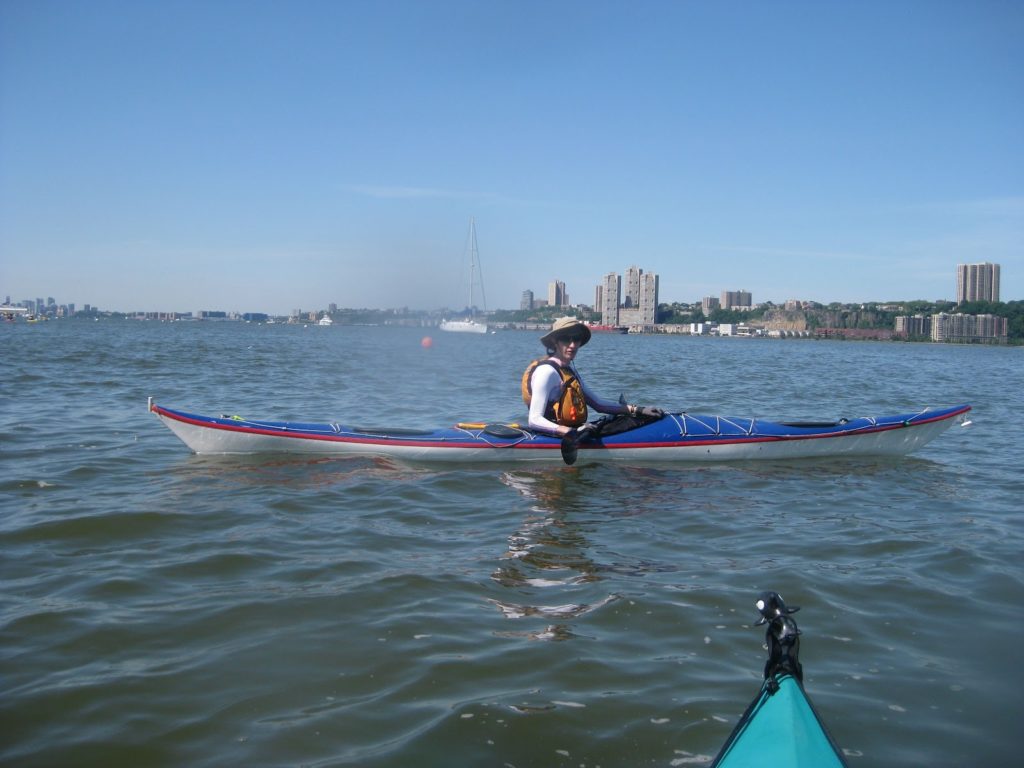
(693, 442)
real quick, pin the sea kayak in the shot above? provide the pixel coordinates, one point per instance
(676, 437)
(781, 726)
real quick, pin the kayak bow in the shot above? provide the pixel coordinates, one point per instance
(781, 726)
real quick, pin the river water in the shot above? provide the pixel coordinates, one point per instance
(163, 609)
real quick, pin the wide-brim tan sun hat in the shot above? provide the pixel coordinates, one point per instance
(565, 326)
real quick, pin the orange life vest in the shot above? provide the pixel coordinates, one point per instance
(570, 408)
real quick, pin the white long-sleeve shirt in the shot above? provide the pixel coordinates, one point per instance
(546, 387)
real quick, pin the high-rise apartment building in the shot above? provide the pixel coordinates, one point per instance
(977, 282)
(916, 325)
(968, 328)
(526, 302)
(557, 297)
(737, 300)
(648, 300)
(611, 291)
(640, 306)
(709, 304)
(632, 280)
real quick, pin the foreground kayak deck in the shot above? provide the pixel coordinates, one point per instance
(783, 729)
(780, 727)
(677, 437)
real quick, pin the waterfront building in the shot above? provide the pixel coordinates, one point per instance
(737, 300)
(969, 328)
(738, 329)
(632, 280)
(526, 301)
(640, 306)
(648, 301)
(918, 325)
(977, 282)
(611, 291)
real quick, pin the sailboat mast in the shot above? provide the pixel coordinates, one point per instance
(475, 273)
(475, 276)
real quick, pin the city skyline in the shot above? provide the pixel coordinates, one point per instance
(638, 311)
(974, 282)
(334, 152)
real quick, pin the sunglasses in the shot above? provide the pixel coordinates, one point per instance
(577, 337)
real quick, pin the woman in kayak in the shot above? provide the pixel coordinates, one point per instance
(556, 394)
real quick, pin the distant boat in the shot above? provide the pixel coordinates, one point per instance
(471, 325)
(326, 320)
(608, 328)
(9, 313)
(463, 326)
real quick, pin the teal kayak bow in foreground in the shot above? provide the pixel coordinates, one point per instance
(781, 726)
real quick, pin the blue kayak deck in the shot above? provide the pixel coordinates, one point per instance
(673, 429)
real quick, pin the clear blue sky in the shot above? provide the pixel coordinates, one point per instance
(267, 156)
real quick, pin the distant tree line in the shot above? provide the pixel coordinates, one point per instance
(870, 315)
(545, 314)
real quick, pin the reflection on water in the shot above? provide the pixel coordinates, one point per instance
(549, 551)
(290, 470)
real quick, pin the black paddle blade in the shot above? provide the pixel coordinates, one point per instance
(503, 430)
(569, 449)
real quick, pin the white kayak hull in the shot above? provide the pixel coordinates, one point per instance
(677, 438)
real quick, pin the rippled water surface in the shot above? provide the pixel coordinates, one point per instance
(160, 608)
